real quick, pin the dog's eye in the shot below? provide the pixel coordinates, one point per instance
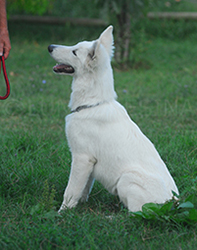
(74, 52)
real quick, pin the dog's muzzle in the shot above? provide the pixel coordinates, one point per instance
(61, 68)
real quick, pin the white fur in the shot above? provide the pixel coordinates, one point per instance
(105, 143)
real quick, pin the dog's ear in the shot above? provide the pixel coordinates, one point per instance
(92, 52)
(107, 40)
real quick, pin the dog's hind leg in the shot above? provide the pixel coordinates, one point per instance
(131, 189)
(79, 180)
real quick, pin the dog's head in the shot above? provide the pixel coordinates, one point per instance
(84, 55)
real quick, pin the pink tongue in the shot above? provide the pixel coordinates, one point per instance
(62, 68)
(59, 66)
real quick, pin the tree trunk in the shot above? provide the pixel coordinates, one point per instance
(122, 53)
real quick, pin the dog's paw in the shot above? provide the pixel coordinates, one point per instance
(84, 198)
(62, 208)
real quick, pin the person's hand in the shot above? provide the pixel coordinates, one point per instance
(5, 45)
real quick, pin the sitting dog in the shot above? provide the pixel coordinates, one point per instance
(105, 143)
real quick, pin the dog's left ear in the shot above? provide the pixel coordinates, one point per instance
(107, 40)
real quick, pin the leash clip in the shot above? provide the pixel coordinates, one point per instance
(2, 62)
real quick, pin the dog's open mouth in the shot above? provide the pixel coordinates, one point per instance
(63, 68)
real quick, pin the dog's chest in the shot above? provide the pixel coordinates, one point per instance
(81, 132)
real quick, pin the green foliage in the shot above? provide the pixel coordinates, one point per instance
(75, 9)
(171, 29)
(113, 8)
(45, 208)
(48, 197)
(38, 7)
(173, 5)
(177, 211)
(126, 16)
(96, 8)
(121, 14)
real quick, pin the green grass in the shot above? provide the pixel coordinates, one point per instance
(35, 159)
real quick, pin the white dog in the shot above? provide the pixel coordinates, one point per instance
(105, 143)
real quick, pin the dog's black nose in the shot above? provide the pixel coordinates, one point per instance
(51, 48)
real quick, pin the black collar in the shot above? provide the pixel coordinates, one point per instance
(84, 107)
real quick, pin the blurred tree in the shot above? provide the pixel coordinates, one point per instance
(121, 13)
(38, 7)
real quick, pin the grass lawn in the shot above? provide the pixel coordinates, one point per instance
(35, 158)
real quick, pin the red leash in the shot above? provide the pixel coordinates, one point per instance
(6, 78)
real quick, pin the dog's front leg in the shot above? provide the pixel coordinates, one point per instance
(81, 169)
(87, 189)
